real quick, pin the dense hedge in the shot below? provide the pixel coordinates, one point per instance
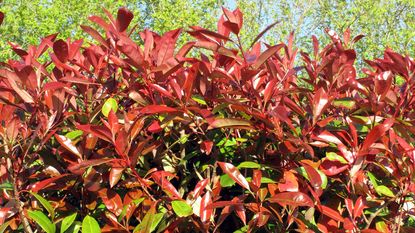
(126, 136)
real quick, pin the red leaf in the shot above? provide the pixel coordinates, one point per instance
(199, 187)
(12, 78)
(161, 90)
(234, 174)
(36, 187)
(154, 109)
(359, 206)
(68, 144)
(222, 29)
(1, 17)
(124, 18)
(206, 146)
(160, 178)
(290, 184)
(97, 130)
(375, 134)
(320, 101)
(205, 211)
(115, 175)
(266, 55)
(216, 48)
(61, 50)
(292, 199)
(95, 34)
(154, 127)
(235, 19)
(80, 167)
(111, 200)
(332, 168)
(313, 175)
(256, 179)
(227, 123)
(203, 34)
(330, 213)
(168, 43)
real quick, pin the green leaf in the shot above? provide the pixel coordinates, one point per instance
(109, 104)
(181, 208)
(45, 204)
(249, 164)
(372, 179)
(199, 99)
(383, 190)
(324, 179)
(74, 134)
(75, 227)
(90, 225)
(42, 220)
(332, 156)
(149, 223)
(156, 220)
(264, 180)
(6, 186)
(381, 226)
(67, 222)
(226, 181)
(4, 226)
(347, 102)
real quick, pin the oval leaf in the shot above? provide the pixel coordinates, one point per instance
(181, 208)
(67, 222)
(292, 198)
(110, 104)
(90, 225)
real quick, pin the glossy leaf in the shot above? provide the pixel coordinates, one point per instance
(68, 144)
(181, 208)
(45, 203)
(90, 225)
(42, 220)
(234, 174)
(110, 104)
(67, 222)
(292, 199)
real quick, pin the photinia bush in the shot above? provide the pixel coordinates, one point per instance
(125, 136)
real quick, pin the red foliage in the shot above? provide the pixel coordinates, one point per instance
(233, 137)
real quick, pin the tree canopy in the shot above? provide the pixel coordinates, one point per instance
(384, 23)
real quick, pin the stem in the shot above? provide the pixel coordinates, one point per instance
(18, 205)
(374, 215)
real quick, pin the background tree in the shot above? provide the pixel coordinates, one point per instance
(27, 21)
(385, 23)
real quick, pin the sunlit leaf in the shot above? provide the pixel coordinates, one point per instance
(67, 222)
(90, 225)
(110, 104)
(181, 208)
(42, 220)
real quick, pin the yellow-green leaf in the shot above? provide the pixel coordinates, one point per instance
(109, 104)
(42, 220)
(181, 208)
(385, 191)
(67, 222)
(90, 225)
(45, 204)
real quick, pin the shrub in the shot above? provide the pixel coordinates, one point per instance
(125, 136)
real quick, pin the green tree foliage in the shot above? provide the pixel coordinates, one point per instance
(385, 23)
(26, 21)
